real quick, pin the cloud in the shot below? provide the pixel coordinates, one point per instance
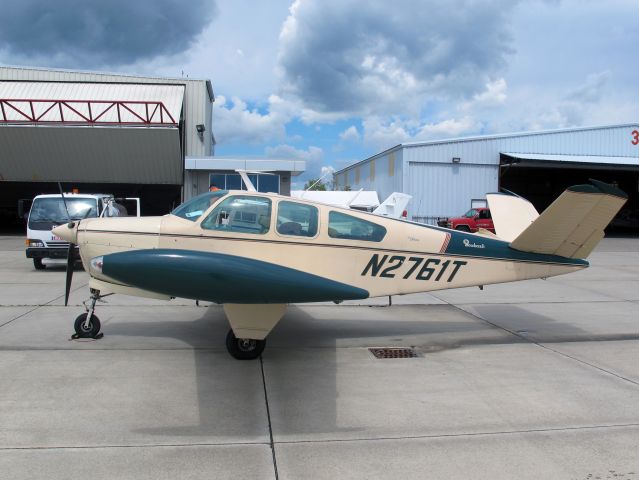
(494, 94)
(447, 128)
(90, 34)
(312, 154)
(314, 157)
(236, 123)
(351, 134)
(382, 134)
(339, 56)
(576, 105)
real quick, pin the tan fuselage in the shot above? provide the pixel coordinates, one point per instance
(411, 258)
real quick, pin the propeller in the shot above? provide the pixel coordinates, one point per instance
(70, 252)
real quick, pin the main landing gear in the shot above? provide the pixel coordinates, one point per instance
(244, 348)
(250, 324)
(87, 325)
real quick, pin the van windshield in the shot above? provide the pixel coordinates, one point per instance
(49, 211)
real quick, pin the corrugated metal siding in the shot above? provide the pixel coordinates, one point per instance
(196, 110)
(384, 183)
(441, 190)
(90, 154)
(609, 141)
(170, 95)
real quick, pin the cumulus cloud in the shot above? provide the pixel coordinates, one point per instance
(345, 57)
(351, 134)
(495, 94)
(312, 154)
(382, 134)
(91, 34)
(314, 157)
(577, 103)
(236, 123)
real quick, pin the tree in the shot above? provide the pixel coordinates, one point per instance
(315, 184)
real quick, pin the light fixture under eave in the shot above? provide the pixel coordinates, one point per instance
(456, 159)
(200, 128)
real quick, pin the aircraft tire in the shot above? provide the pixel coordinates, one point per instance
(244, 348)
(84, 332)
(38, 265)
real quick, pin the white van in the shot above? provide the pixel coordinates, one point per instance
(48, 211)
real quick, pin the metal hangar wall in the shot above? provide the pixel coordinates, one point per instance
(120, 134)
(443, 176)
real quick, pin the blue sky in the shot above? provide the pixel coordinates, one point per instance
(335, 81)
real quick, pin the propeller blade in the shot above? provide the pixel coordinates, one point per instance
(64, 200)
(70, 266)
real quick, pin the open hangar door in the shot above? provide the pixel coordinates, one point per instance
(541, 181)
(154, 199)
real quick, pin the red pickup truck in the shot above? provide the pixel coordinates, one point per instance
(471, 221)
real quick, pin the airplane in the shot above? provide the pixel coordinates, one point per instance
(254, 253)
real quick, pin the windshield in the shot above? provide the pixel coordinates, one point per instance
(49, 211)
(470, 213)
(194, 208)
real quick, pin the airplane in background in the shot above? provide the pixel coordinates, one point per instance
(254, 253)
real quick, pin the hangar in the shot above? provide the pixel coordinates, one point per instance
(444, 176)
(133, 136)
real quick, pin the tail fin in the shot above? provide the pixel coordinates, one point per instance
(511, 214)
(394, 206)
(574, 223)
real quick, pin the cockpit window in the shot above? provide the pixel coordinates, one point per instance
(347, 227)
(194, 208)
(240, 213)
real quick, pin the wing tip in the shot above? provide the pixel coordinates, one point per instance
(599, 187)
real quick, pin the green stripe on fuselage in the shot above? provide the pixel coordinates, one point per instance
(222, 278)
(492, 248)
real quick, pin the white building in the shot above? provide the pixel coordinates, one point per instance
(443, 176)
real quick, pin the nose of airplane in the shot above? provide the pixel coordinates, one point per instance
(68, 232)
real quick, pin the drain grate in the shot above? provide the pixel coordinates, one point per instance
(396, 352)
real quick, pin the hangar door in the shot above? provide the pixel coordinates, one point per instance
(541, 178)
(98, 137)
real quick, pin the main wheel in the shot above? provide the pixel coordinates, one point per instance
(87, 331)
(244, 348)
(37, 263)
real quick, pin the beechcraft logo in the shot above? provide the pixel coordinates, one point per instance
(467, 244)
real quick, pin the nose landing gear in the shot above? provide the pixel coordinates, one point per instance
(87, 325)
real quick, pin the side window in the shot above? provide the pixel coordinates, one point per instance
(244, 214)
(296, 219)
(344, 226)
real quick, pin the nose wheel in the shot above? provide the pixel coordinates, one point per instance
(87, 325)
(244, 348)
(87, 329)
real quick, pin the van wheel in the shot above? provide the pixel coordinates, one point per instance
(37, 263)
(462, 228)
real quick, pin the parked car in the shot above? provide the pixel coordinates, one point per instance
(471, 221)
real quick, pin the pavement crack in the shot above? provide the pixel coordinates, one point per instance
(461, 435)
(546, 347)
(38, 306)
(268, 416)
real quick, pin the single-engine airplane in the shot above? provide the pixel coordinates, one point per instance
(254, 253)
